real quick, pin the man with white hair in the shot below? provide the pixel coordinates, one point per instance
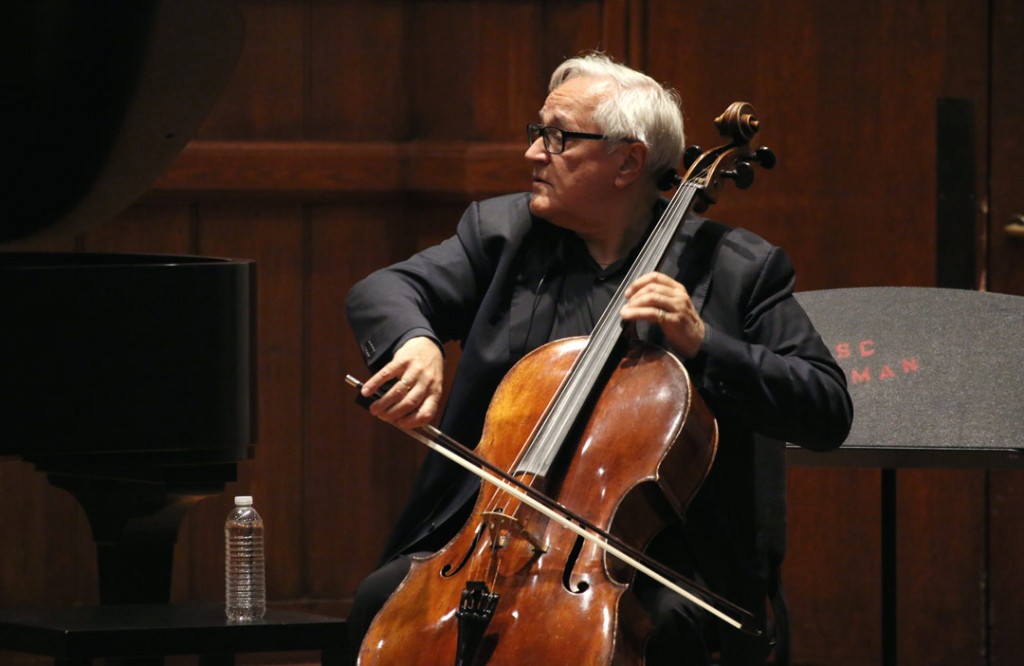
(525, 269)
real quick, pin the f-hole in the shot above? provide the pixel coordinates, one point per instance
(570, 566)
(448, 570)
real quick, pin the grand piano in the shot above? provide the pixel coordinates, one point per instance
(127, 379)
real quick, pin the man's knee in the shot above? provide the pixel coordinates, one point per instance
(370, 597)
(678, 630)
(375, 589)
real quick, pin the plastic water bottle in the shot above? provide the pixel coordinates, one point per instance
(245, 582)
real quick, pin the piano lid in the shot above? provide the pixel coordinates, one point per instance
(117, 353)
(103, 96)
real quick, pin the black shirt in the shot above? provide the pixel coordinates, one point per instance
(585, 289)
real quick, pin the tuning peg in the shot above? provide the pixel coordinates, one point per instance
(743, 175)
(765, 157)
(690, 155)
(669, 179)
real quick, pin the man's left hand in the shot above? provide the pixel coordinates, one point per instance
(657, 298)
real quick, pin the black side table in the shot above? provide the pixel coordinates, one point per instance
(75, 636)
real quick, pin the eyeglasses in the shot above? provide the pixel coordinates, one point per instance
(554, 137)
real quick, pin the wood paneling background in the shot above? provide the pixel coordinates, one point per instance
(354, 132)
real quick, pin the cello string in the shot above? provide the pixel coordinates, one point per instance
(561, 412)
(577, 387)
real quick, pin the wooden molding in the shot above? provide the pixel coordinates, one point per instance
(323, 168)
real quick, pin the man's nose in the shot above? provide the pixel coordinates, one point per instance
(535, 151)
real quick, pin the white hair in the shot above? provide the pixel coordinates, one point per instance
(639, 108)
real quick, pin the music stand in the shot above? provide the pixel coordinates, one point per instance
(935, 376)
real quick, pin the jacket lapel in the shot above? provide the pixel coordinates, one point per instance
(692, 258)
(532, 309)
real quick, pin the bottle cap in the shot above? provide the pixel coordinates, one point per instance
(243, 500)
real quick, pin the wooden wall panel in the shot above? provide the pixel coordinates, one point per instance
(832, 570)
(47, 552)
(565, 29)
(1006, 580)
(941, 566)
(821, 84)
(267, 97)
(441, 61)
(47, 556)
(359, 71)
(1005, 272)
(358, 467)
(1006, 228)
(506, 71)
(144, 229)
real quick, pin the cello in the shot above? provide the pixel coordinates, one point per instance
(590, 446)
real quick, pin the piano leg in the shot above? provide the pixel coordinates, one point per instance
(135, 525)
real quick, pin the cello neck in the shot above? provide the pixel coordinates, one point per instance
(584, 376)
(703, 178)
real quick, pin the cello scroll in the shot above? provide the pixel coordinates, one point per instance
(732, 160)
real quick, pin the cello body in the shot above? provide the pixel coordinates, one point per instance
(638, 454)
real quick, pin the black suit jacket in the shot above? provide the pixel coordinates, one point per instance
(762, 367)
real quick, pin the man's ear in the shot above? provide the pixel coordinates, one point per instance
(632, 163)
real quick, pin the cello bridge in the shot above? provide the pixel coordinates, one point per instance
(502, 526)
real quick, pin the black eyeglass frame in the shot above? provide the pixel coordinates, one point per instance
(534, 130)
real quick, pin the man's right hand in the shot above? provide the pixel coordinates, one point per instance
(418, 370)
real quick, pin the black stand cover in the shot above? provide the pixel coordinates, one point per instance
(935, 376)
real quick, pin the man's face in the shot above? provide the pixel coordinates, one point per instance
(570, 188)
